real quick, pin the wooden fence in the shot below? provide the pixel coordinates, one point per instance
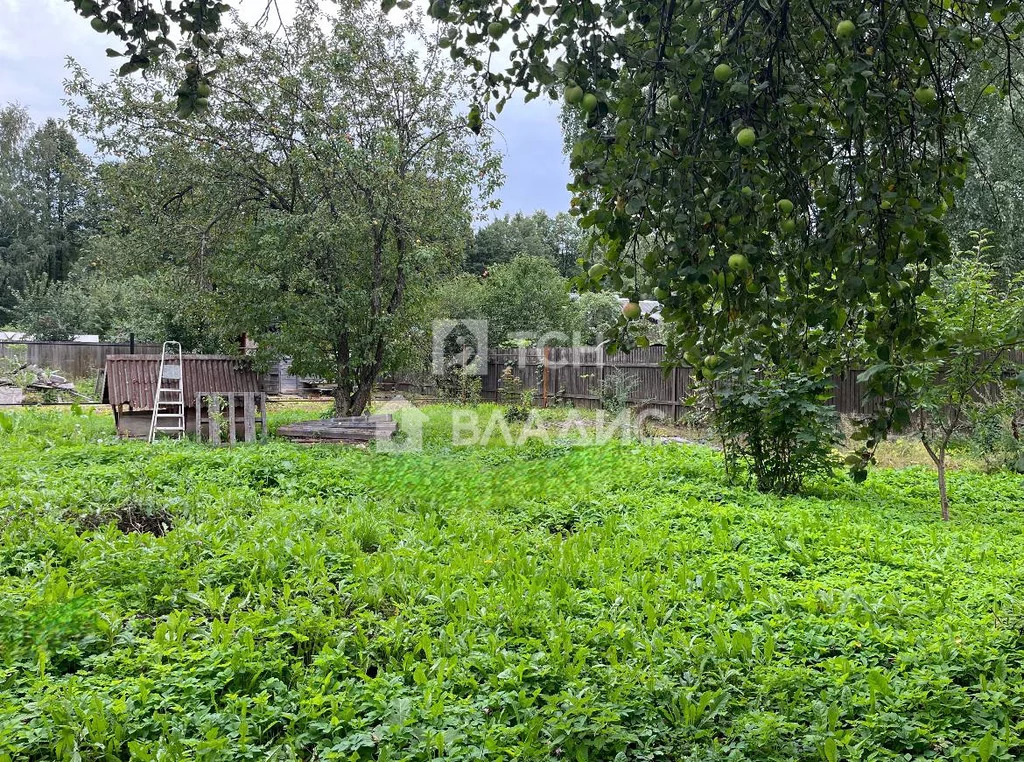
(557, 375)
(70, 359)
(576, 376)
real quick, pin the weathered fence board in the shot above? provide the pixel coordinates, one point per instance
(71, 359)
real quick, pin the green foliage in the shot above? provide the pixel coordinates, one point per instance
(461, 385)
(992, 197)
(616, 390)
(603, 603)
(780, 426)
(148, 32)
(46, 212)
(997, 431)
(525, 296)
(978, 325)
(558, 239)
(517, 401)
(849, 113)
(316, 202)
(595, 314)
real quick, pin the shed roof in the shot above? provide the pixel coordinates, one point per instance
(131, 379)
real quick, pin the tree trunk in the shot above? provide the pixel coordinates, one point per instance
(342, 389)
(341, 402)
(943, 497)
(361, 398)
(939, 459)
(343, 384)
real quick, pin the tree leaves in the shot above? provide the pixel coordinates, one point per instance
(843, 123)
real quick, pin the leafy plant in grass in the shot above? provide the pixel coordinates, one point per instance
(779, 425)
(461, 385)
(979, 325)
(517, 401)
(997, 432)
(615, 391)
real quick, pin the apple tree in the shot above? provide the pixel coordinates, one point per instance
(778, 168)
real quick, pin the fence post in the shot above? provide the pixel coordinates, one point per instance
(544, 373)
(131, 343)
(231, 420)
(675, 394)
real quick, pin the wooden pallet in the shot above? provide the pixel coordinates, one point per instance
(252, 403)
(340, 430)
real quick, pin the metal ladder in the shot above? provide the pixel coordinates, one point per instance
(169, 402)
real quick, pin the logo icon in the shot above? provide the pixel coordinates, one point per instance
(459, 344)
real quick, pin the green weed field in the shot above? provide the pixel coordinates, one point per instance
(619, 602)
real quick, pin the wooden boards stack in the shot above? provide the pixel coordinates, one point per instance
(362, 428)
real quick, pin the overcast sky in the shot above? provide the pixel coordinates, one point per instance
(37, 36)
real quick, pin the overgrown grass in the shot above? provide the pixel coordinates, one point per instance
(619, 602)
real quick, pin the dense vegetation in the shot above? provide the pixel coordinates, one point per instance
(47, 208)
(538, 602)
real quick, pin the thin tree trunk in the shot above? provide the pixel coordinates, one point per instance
(943, 497)
(341, 402)
(939, 459)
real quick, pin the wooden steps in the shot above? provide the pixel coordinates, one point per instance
(360, 429)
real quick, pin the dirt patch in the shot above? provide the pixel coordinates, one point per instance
(131, 517)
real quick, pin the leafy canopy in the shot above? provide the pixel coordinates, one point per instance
(779, 169)
(311, 205)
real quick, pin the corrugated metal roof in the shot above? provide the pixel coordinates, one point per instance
(131, 379)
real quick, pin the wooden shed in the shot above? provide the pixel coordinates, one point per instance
(129, 387)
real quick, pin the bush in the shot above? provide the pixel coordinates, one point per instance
(517, 401)
(460, 385)
(997, 432)
(780, 426)
(615, 390)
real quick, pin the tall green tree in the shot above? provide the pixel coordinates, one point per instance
(558, 239)
(525, 297)
(45, 215)
(316, 198)
(993, 196)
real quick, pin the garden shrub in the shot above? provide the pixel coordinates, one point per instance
(615, 391)
(997, 432)
(780, 426)
(517, 401)
(460, 385)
